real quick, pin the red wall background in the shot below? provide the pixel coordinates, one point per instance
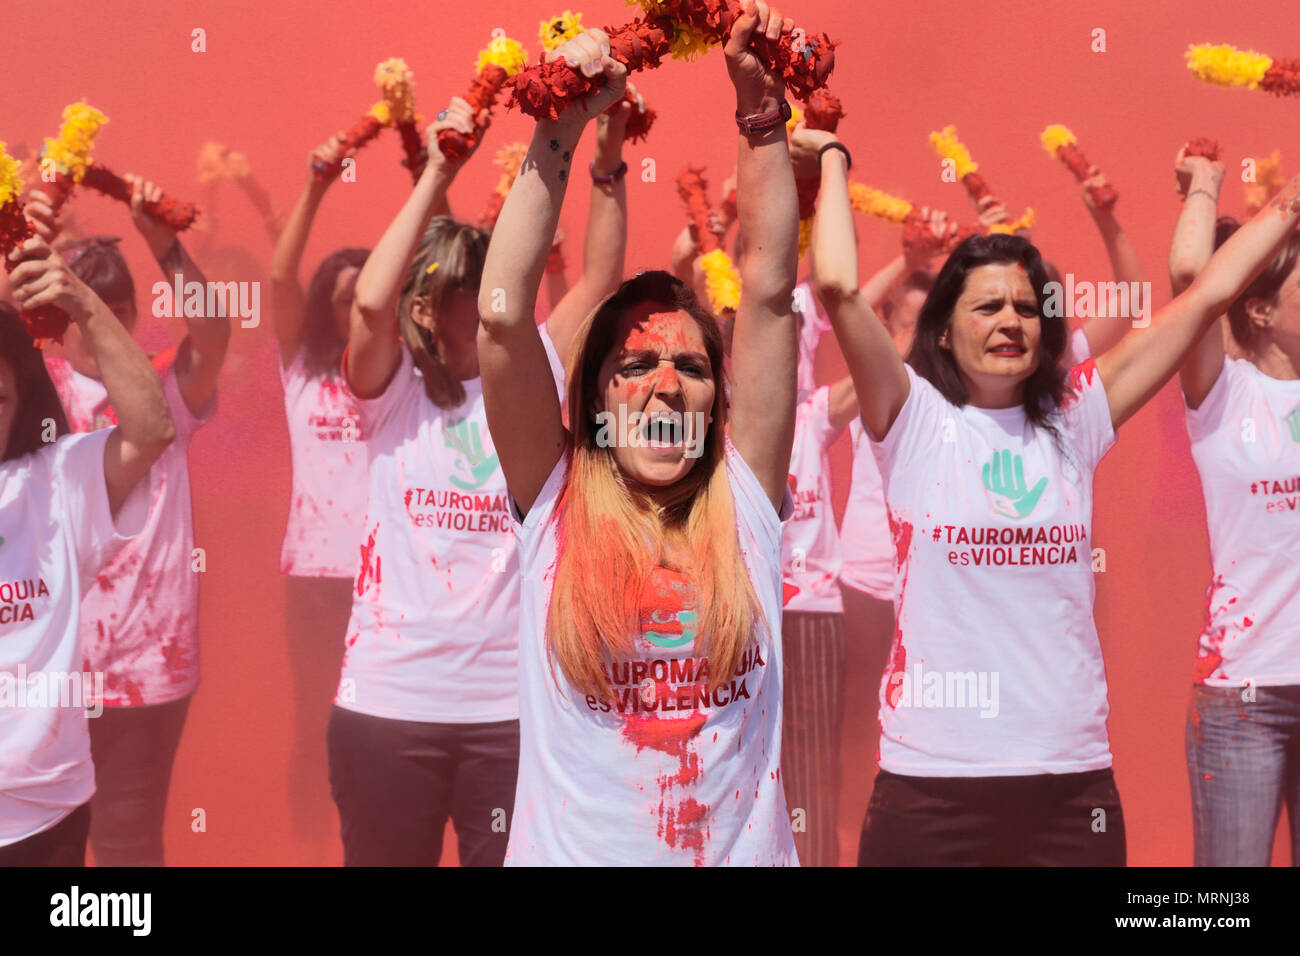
(278, 78)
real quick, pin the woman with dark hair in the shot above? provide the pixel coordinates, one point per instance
(426, 719)
(63, 514)
(1243, 418)
(327, 500)
(650, 531)
(140, 622)
(993, 708)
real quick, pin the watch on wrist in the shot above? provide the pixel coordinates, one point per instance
(760, 122)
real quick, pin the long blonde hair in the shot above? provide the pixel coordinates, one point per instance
(449, 258)
(613, 535)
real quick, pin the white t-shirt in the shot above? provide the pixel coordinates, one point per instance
(614, 783)
(1077, 349)
(810, 545)
(867, 550)
(328, 500)
(140, 621)
(56, 530)
(1246, 445)
(865, 539)
(815, 324)
(434, 631)
(995, 668)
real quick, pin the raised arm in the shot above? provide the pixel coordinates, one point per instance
(145, 427)
(1199, 181)
(519, 397)
(879, 376)
(288, 307)
(1140, 365)
(374, 342)
(604, 248)
(764, 349)
(1103, 332)
(203, 350)
(842, 402)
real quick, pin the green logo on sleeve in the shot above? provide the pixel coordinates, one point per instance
(1004, 480)
(463, 437)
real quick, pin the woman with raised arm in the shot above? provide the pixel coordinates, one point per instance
(650, 534)
(1243, 418)
(426, 720)
(66, 509)
(327, 501)
(993, 710)
(140, 622)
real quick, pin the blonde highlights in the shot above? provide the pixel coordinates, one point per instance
(612, 534)
(449, 258)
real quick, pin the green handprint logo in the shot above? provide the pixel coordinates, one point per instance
(1293, 423)
(464, 438)
(1004, 480)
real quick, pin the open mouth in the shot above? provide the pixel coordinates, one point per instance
(1008, 351)
(663, 430)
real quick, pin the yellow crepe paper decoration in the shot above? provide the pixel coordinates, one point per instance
(397, 82)
(11, 184)
(948, 146)
(1056, 137)
(877, 203)
(1225, 65)
(503, 52)
(560, 29)
(722, 280)
(71, 150)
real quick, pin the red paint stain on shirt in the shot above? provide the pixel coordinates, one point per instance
(375, 573)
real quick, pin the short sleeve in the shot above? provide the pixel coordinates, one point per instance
(753, 506)
(81, 496)
(376, 412)
(553, 357)
(543, 508)
(819, 419)
(1085, 414)
(919, 427)
(187, 423)
(1208, 418)
(1077, 349)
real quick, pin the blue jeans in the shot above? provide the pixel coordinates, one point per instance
(1243, 761)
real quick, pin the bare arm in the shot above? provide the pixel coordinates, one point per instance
(604, 248)
(877, 290)
(288, 307)
(1135, 370)
(374, 343)
(519, 397)
(1199, 181)
(1103, 332)
(207, 339)
(877, 370)
(145, 427)
(764, 351)
(842, 403)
